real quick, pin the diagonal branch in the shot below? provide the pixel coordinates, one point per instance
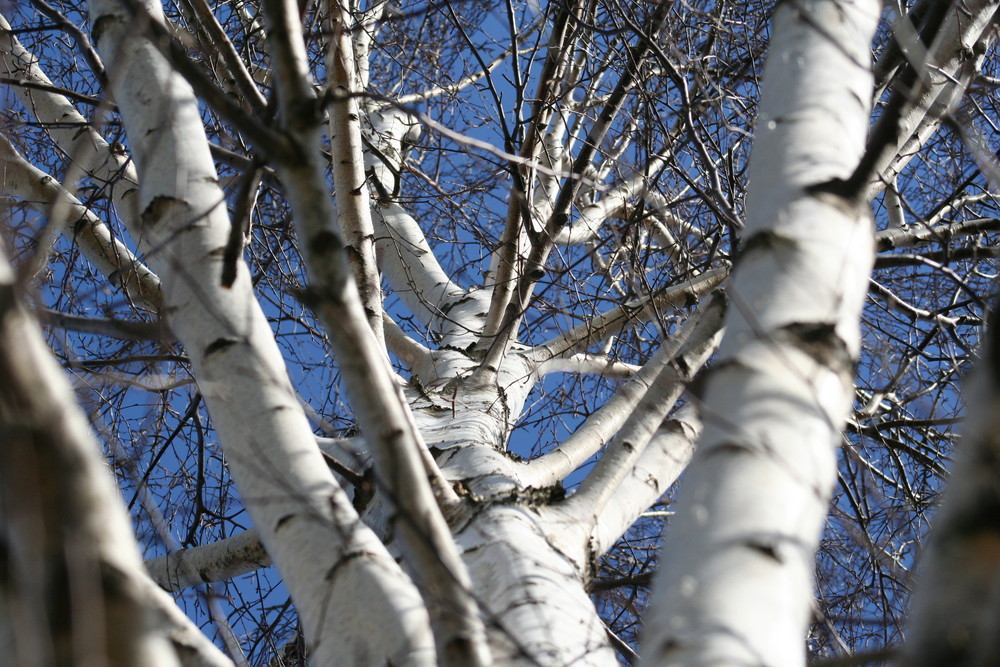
(622, 454)
(402, 462)
(21, 179)
(611, 322)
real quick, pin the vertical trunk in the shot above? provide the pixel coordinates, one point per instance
(736, 582)
(528, 564)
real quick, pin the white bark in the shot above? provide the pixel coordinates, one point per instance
(628, 445)
(662, 462)
(353, 201)
(532, 593)
(944, 71)
(109, 255)
(495, 563)
(617, 319)
(674, 359)
(327, 558)
(589, 364)
(586, 226)
(411, 480)
(451, 313)
(736, 583)
(527, 565)
(597, 429)
(217, 561)
(72, 133)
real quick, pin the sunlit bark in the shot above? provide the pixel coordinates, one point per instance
(326, 555)
(736, 582)
(490, 251)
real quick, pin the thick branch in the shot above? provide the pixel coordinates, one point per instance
(402, 462)
(660, 465)
(600, 426)
(353, 201)
(325, 554)
(933, 80)
(630, 442)
(72, 133)
(217, 561)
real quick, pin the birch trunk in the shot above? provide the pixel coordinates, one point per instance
(327, 558)
(736, 582)
(611, 211)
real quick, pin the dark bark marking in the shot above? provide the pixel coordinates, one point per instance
(325, 242)
(766, 240)
(100, 25)
(765, 548)
(364, 490)
(821, 342)
(847, 196)
(344, 560)
(220, 344)
(728, 448)
(157, 209)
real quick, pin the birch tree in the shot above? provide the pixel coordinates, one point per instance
(434, 333)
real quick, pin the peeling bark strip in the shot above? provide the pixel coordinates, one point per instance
(755, 495)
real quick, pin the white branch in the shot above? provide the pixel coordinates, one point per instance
(111, 257)
(600, 426)
(403, 464)
(944, 71)
(72, 133)
(409, 351)
(591, 364)
(662, 462)
(353, 201)
(700, 340)
(614, 321)
(225, 559)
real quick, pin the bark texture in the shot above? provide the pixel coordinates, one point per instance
(753, 499)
